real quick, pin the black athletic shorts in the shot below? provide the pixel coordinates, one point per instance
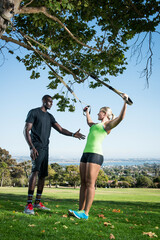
(40, 164)
(92, 158)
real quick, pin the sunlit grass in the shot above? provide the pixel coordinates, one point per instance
(125, 213)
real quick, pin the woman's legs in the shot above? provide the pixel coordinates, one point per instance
(92, 171)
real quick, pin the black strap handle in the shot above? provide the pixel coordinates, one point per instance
(129, 101)
(85, 109)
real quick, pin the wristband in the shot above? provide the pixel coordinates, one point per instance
(72, 134)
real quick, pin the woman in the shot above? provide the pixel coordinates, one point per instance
(92, 157)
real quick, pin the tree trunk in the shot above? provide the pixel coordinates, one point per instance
(50, 185)
(7, 9)
(2, 180)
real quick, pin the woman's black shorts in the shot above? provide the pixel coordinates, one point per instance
(92, 158)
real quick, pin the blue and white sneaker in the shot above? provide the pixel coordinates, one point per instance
(80, 214)
(70, 212)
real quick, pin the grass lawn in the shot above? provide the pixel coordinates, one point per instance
(122, 214)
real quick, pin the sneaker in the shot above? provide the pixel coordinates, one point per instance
(80, 215)
(29, 209)
(70, 212)
(41, 206)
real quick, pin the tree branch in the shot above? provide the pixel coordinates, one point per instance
(30, 10)
(137, 49)
(17, 5)
(104, 38)
(148, 69)
(9, 39)
(28, 4)
(3, 57)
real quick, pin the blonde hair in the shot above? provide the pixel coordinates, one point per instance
(108, 110)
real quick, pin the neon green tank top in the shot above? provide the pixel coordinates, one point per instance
(94, 140)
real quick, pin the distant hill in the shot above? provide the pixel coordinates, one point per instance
(107, 162)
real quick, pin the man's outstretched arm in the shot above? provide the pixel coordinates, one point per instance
(64, 131)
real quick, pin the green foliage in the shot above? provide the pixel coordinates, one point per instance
(6, 163)
(114, 184)
(72, 175)
(12, 173)
(102, 179)
(105, 26)
(124, 184)
(144, 181)
(34, 75)
(157, 179)
(17, 174)
(57, 168)
(64, 102)
(4, 174)
(130, 180)
(20, 182)
(51, 175)
(59, 173)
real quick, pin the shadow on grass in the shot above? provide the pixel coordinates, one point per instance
(12, 202)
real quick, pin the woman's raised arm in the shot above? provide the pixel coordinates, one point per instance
(88, 117)
(113, 123)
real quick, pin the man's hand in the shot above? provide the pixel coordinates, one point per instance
(79, 135)
(34, 153)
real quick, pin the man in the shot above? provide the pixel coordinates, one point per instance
(39, 122)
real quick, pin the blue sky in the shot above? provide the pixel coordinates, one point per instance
(138, 136)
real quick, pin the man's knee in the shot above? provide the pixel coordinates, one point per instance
(34, 174)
